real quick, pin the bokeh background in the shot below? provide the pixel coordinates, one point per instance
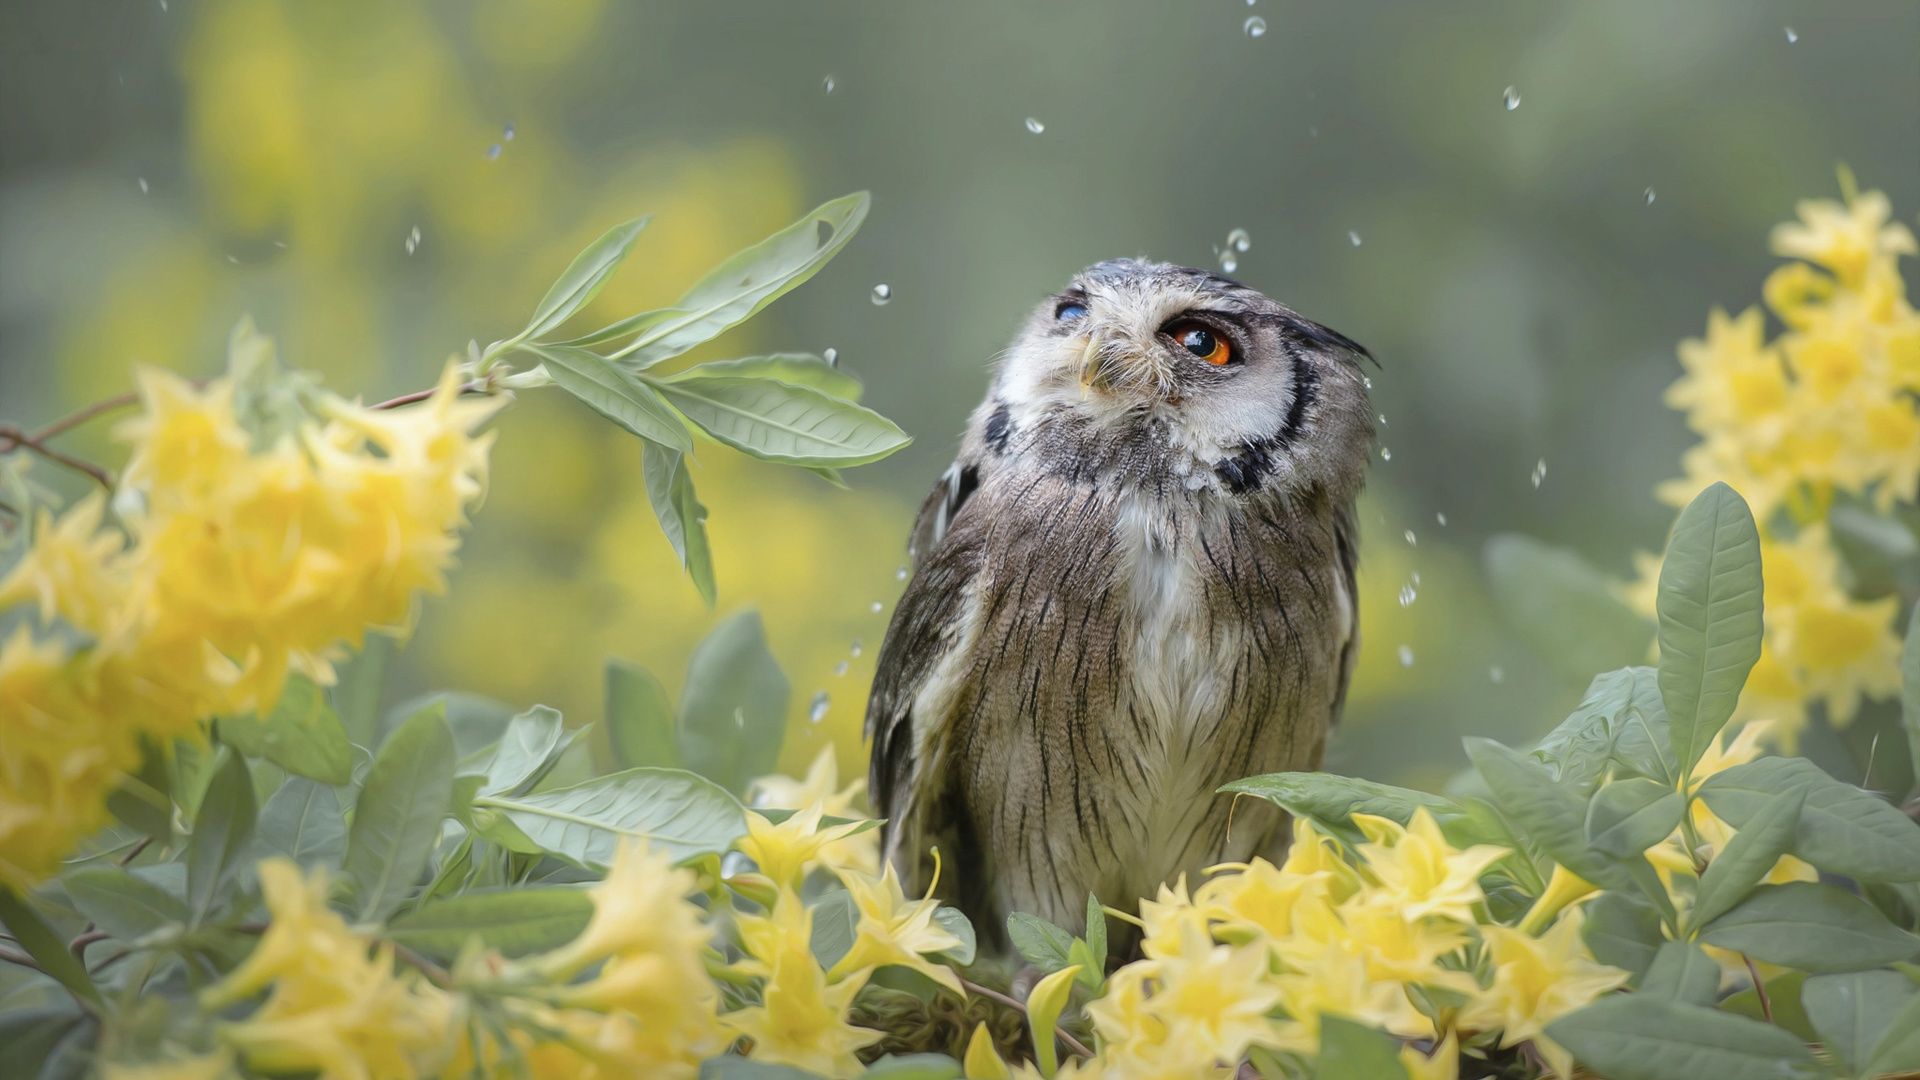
(1519, 207)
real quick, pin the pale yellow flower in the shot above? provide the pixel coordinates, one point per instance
(640, 907)
(1536, 981)
(894, 930)
(1420, 874)
(785, 852)
(802, 1018)
(217, 1065)
(857, 851)
(1444, 1064)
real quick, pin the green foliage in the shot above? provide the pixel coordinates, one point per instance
(1710, 626)
(1330, 801)
(1642, 1037)
(1563, 608)
(396, 819)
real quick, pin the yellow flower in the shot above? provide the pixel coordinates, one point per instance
(856, 851)
(1336, 979)
(1259, 899)
(802, 1018)
(1536, 981)
(1220, 991)
(785, 852)
(1443, 1065)
(217, 1065)
(894, 930)
(1844, 238)
(641, 907)
(70, 571)
(1421, 874)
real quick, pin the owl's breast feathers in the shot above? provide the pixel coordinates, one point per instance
(1095, 639)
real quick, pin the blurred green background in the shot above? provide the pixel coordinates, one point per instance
(1523, 273)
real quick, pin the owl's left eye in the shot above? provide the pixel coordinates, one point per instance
(1203, 343)
(1069, 311)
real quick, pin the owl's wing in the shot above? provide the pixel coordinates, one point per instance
(1346, 539)
(939, 507)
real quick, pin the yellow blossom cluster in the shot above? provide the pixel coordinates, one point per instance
(232, 565)
(1827, 407)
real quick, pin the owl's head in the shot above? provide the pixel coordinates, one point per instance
(1234, 388)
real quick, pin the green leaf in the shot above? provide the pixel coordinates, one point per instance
(144, 801)
(1683, 972)
(639, 717)
(675, 810)
(1330, 801)
(733, 711)
(954, 922)
(1481, 822)
(1710, 624)
(396, 820)
(835, 926)
(1620, 723)
(533, 741)
(1910, 692)
(1044, 945)
(1813, 927)
(583, 277)
(613, 393)
(356, 696)
(775, 421)
(1097, 935)
(1626, 817)
(303, 822)
(221, 829)
(1748, 858)
(30, 1038)
(913, 1067)
(1853, 1011)
(1637, 1037)
(1551, 814)
(477, 721)
(1783, 1005)
(1623, 930)
(734, 1067)
(515, 921)
(302, 735)
(750, 280)
(794, 369)
(48, 949)
(1843, 830)
(630, 325)
(682, 517)
(1562, 607)
(1350, 1051)
(1898, 1050)
(123, 905)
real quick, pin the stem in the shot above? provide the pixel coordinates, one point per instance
(12, 437)
(1759, 988)
(422, 395)
(78, 946)
(25, 961)
(118, 402)
(1073, 1044)
(435, 974)
(137, 849)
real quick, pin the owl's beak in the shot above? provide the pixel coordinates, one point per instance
(1090, 372)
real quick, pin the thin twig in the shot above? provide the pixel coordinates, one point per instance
(19, 958)
(1759, 989)
(137, 849)
(435, 974)
(118, 402)
(1073, 1044)
(78, 946)
(422, 395)
(11, 436)
(109, 961)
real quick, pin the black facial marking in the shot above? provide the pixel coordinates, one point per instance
(999, 428)
(1305, 382)
(1244, 471)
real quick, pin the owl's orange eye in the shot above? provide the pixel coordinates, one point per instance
(1204, 344)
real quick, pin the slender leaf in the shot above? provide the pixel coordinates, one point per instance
(1351, 1051)
(1813, 927)
(477, 721)
(48, 949)
(515, 921)
(796, 369)
(303, 822)
(1626, 817)
(1551, 814)
(583, 277)
(913, 1067)
(396, 820)
(1044, 1004)
(144, 800)
(674, 810)
(1562, 607)
(356, 696)
(1782, 1008)
(613, 393)
(1748, 857)
(626, 327)
(954, 922)
(221, 829)
(123, 905)
(1639, 1037)
(639, 717)
(1621, 723)
(1330, 801)
(1682, 971)
(530, 745)
(682, 517)
(733, 712)
(1710, 624)
(1096, 935)
(1853, 1011)
(1843, 830)
(30, 1038)
(750, 280)
(776, 421)
(1623, 930)
(302, 735)
(835, 921)
(1043, 944)
(1898, 1050)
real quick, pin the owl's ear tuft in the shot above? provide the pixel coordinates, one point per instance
(1324, 336)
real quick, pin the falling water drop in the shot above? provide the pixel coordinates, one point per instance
(1406, 656)
(1035, 126)
(1353, 237)
(1238, 240)
(413, 240)
(493, 152)
(876, 607)
(1539, 472)
(1442, 519)
(1497, 673)
(739, 718)
(1411, 542)
(1649, 196)
(1511, 98)
(826, 84)
(1792, 36)
(1386, 454)
(857, 647)
(840, 668)
(507, 135)
(831, 356)
(1228, 263)
(881, 294)
(817, 711)
(1255, 26)
(900, 574)
(1416, 577)
(1407, 595)
(1366, 381)
(1383, 419)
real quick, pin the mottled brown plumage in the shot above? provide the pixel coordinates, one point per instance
(1135, 584)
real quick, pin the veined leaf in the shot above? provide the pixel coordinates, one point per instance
(1626, 817)
(632, 324)
(750, 280)
(1623, 930)
(302, 735)
(639, 717)
(835, 919)
(356, 696)
(1620, 722)
(776, 421)
(515, 921)
(1710, 625)
(396, 820)
(1842, 830)
(1813, 927)
(1748, 857)
(795, 369)
(1852, 1012)
(1638, 1037)
(1043, 944)
(531, 744)
(221, 828)
(674, 810)
(583, 278)
(682, 517)
(123, 905)
(733, 711)
(302, 821)
(1330, 801)
(1352, 1051)
(48, 949)
(613, 393)
(1551, 814)
(1899, 1049)
(1682, 971)
(955, 922)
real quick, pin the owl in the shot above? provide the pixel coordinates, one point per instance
(1135, 584)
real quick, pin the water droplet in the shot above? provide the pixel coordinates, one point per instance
(1511, 97)
(1442, 519)
(1791, 35)
(831, 356)
(876, 607)
(1238, 240)
(507, 135)
(1411, 542)
(234, 259)
(840, 668)
(1255, 26)
(858, 648)
(1228, 263)
(1035, 126)
(1497, 673)
(493, 152)
(1249, 3)
(1366, 381)
(1416, 577)
(1649, 196)
(826, 84)
(163, 5)
(900, 574)
(739, 718)
(413, 240)
(1407, 595)
(881, 294)
(143, 185)
(1383, 419)
(1313, 131)
(817, 711)
(1353, 237)
(1539, 472)
(1386, 454)
(1406, 656)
